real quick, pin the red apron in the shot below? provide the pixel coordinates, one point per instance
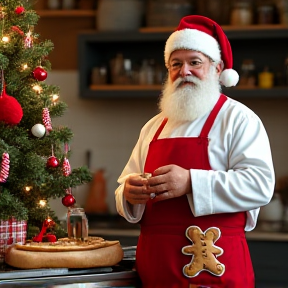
(160, 260)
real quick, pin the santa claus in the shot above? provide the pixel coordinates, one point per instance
(211, 170)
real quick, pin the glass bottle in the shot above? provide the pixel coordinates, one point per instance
(77, 223)
(266, 79)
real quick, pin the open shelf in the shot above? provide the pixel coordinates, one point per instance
(66, 13)
(251, 42)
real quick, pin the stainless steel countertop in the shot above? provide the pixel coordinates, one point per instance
(113, 279)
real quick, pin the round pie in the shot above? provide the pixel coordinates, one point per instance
(65, 253)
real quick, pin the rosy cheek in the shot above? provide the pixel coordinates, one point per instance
(174, 76)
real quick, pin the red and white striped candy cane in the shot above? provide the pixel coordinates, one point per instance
(4, 173)
(46, 119)
(66, 168)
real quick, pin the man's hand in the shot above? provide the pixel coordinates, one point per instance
(135, 190)
(169, 182)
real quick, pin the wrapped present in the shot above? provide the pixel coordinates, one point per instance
(11, 231)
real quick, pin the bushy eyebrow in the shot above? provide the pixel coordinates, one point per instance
(190, 59)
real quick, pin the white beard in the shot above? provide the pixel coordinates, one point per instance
(181, 104)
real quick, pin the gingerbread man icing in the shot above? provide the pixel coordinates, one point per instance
(203, 252)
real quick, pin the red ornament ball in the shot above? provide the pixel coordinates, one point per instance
(68, 200)
(40, 74)
(52, 162)
(10, 110)
(19, 10)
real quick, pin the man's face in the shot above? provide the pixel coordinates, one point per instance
(184, 63)
(192, 87)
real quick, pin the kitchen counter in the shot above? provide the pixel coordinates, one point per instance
(117, 276)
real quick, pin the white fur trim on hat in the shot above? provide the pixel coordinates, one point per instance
(229, 77)
(192, 39)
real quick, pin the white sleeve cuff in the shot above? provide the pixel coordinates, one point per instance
(202, 192)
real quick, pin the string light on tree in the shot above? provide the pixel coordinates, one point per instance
(25, 66)
(37, 88)
(42, 203)
(55, 98)
(5, 39)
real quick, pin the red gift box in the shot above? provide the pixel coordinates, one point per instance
(11, 231)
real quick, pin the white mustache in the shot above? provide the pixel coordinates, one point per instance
(181, 80)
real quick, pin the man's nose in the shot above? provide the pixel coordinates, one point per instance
(185, 70)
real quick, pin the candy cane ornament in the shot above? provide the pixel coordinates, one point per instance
(5, 166)
(46, 119)
(66, 168)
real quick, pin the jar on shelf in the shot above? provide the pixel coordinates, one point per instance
(77, 223)
(53, 4)
(265, 14)
(217, 10)
(119, 15)
(68, 4)
(242, 14)
(247, 75)
(99, 75)
(266, 79)
(164, 13)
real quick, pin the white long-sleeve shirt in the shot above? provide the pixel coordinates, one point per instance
(239, 152)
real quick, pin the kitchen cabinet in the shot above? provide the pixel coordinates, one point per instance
(267, 45)
(62, 27)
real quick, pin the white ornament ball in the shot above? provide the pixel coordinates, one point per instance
(38, 130)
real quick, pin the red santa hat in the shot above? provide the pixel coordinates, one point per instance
(202, 34)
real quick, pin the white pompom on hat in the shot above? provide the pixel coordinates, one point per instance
(202, 34)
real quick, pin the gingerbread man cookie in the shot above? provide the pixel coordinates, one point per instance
(203, 252)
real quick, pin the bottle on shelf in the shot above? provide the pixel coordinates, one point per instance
(99, 75)
(147, 72)
(266, 78)
(247, 76)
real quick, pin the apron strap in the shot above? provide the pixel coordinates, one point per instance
(211, 118)
(161, 127)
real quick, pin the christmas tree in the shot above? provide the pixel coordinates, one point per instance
(34, 154)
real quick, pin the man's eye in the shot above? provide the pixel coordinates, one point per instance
(176, 64)
(195, 63)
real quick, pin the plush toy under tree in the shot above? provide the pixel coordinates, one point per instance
(34, 154)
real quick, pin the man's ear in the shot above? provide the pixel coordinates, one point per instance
(219, 67)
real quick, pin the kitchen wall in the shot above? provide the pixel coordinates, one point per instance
(110, 129)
